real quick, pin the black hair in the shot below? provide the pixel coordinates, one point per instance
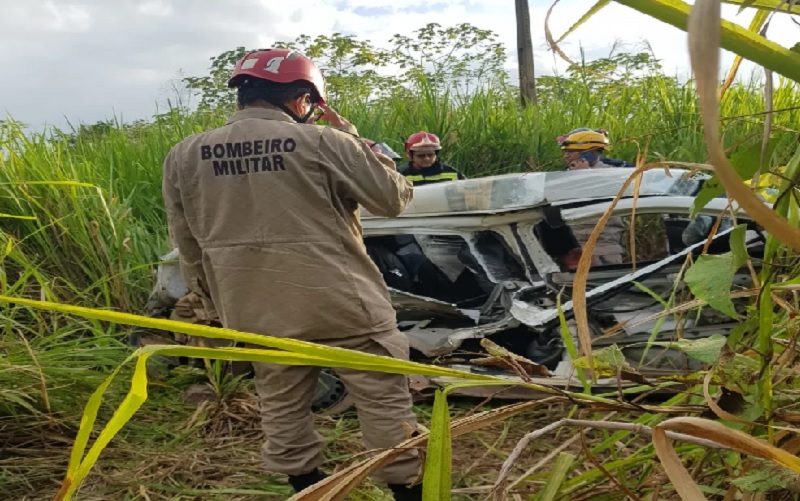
(252, 90)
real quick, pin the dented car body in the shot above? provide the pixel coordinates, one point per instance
(484, 258)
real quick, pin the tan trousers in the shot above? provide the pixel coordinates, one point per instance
(382, 401)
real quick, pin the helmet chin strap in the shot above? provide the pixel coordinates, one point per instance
(294, 115)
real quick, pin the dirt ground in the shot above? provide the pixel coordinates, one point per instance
(211, 452)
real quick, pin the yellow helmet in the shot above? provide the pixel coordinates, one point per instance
(768, 186)
(584, 139)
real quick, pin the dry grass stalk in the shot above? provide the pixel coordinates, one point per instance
(498, 488)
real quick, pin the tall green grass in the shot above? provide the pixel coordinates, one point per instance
(487, 133)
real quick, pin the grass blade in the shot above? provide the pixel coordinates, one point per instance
(758, 21)
(336, 356)
(438, 460)
(562, 467)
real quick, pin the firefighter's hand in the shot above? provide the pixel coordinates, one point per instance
(334, 119)
(579, 164)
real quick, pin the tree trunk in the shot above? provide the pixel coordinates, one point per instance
(527, 80)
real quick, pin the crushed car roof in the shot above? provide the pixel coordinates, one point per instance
(511, 192)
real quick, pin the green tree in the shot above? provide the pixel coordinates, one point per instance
(356, 69)
(440, 56)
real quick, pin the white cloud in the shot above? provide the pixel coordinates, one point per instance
(155, 8)
(66, 18)
(87, 60)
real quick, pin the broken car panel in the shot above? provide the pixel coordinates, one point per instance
(483, 258)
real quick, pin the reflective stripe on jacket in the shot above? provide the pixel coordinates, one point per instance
(436, 173)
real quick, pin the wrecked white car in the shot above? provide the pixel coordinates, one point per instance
(485, 258)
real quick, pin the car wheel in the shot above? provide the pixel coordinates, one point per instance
(331, 396)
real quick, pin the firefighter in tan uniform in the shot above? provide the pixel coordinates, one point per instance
(582, 149)
(264, 211)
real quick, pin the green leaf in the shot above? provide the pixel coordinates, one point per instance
(752, 412)
(738, 247)
(710, 277)
(734, 38)
(705, 350)
(610, 361)
(610, 358)
(572, 351)
(736, 334)
(563, 466)
(711, 189)
(739, 369)
(764, 340)
(438, 459)
(746, 161)
(760, 481)
(710, 280)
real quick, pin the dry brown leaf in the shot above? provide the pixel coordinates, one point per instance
(682, 481)
(790, 417)
(792, 446)
(732, 439)
(632, 233)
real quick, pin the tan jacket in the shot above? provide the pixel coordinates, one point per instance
(264, 212)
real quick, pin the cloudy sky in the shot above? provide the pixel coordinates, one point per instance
(91, 60)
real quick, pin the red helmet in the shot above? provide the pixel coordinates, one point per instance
(422, 140)
(279, 65)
